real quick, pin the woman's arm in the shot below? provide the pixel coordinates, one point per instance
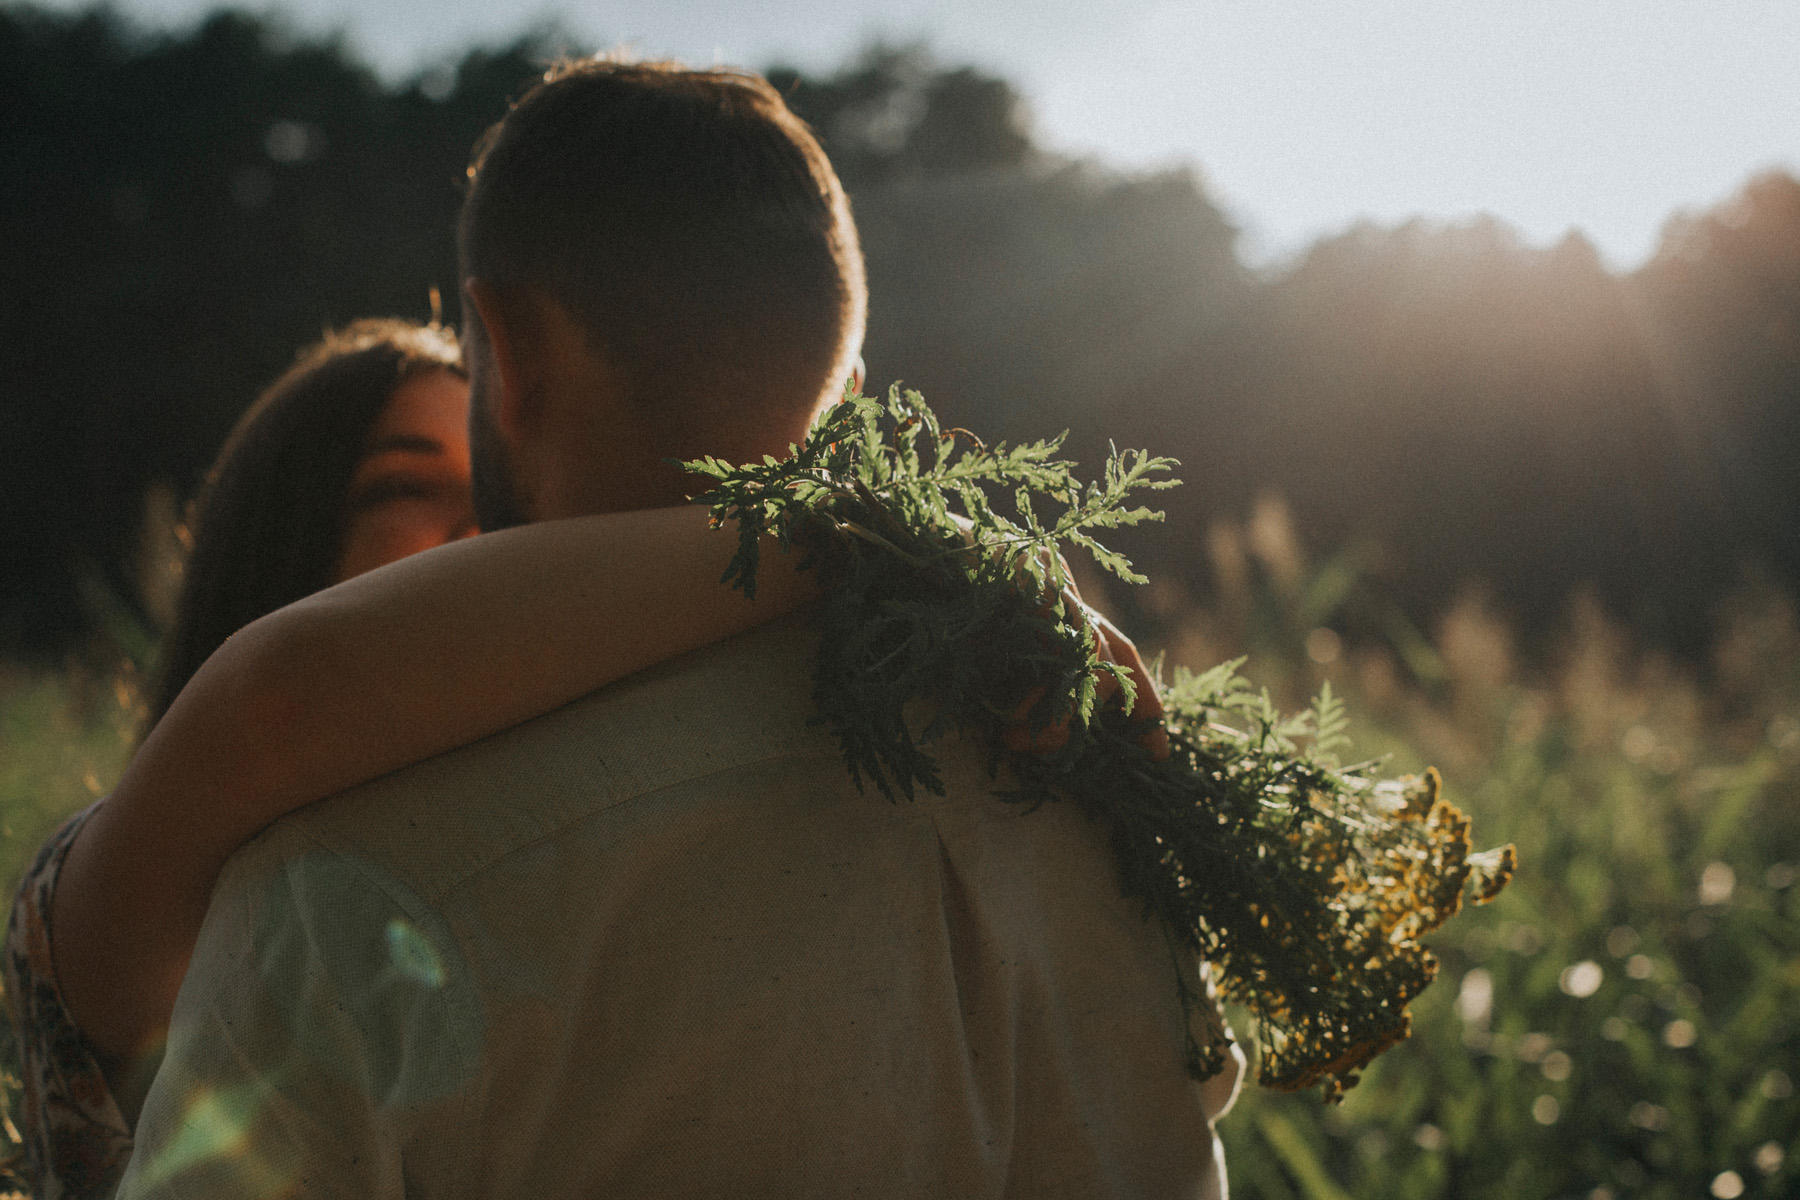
(389, 668)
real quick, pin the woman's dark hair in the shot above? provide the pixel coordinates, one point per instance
(268, 524)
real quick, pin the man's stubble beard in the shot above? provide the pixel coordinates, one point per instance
(493, 484)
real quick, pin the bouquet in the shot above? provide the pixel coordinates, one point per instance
(1306, 883)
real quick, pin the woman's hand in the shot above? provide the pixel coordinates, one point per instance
(1146, 702)
(1110, 646)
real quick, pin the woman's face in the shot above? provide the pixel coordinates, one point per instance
(410, 492)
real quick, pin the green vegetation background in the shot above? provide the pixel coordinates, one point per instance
(1625, 1020)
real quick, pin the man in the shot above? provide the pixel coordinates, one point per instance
(656, 943)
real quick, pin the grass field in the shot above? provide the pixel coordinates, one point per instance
(1624, 1021)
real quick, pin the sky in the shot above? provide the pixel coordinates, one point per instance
(1304, 116)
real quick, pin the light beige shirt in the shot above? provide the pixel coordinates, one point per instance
(656, 944)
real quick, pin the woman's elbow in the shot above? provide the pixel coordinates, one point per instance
(263, 677)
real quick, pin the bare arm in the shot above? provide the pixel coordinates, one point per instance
(390, 668)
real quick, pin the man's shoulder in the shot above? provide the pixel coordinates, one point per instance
(727, 706)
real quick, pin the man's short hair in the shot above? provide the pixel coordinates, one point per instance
(687, 219)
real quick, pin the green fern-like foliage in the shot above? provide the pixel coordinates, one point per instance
(1306, 883)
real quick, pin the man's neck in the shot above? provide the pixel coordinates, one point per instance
(577, 493)
(631, 471)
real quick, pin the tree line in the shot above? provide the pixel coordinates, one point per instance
(180, 212)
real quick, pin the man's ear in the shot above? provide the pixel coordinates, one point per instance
(507, 321)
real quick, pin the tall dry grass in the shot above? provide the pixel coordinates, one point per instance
(1624, 1021)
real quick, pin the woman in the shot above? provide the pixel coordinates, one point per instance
(358, 455)
(355, 458)
(316, 691)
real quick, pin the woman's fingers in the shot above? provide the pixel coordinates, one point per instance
(1110, 646)
(1021, 737)
(1146, 703)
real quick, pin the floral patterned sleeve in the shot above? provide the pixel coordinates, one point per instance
(76, 1139)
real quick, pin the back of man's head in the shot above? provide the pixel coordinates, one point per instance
(689, 224)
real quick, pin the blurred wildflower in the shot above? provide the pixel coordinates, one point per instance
(1717, 883)
(1581, 980)
(1680, 1033)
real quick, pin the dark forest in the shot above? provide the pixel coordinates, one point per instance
(1444, 407)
